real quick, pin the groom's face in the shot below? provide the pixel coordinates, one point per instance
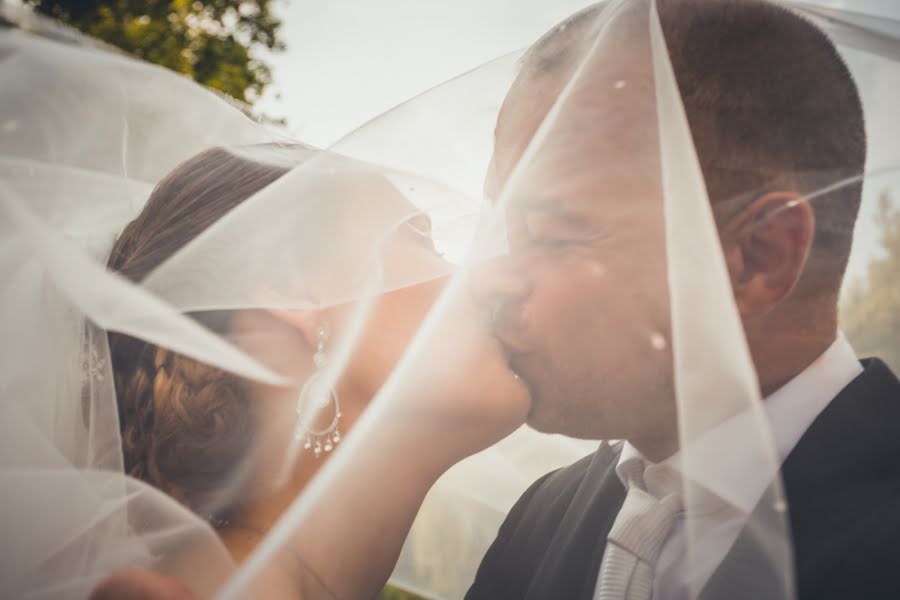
(582, 295)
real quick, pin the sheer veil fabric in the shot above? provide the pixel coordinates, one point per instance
(582, 158)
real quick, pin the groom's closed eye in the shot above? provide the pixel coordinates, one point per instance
(557, 228)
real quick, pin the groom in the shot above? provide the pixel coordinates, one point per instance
(769, 101)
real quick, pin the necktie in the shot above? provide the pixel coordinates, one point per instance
(633, 544)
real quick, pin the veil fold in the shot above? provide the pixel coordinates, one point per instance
(580, 158)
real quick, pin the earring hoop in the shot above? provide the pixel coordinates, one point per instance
(316, 392)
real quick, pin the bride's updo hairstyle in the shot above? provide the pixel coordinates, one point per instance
(184, 424)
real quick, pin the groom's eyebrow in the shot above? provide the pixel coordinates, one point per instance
(557, 215)
(552, 207)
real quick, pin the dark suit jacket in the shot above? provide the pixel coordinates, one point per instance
(842, 483)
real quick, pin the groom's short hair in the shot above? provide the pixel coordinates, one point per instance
(769, 100)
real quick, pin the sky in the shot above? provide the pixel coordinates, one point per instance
(350, 60)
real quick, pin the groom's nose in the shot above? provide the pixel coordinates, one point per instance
(499, 285)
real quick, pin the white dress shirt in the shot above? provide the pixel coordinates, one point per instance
(736, 480)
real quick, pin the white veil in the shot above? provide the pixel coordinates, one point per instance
(78, 161)
(338, 238)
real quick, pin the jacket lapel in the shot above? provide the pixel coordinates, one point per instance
(849, 441)
(842, 471)
(574, 552)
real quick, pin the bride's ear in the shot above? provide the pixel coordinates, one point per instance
(305, 321)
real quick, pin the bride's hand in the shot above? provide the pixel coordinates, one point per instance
(140, 584)
(455, 393)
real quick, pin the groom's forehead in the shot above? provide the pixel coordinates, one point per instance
(598, 133)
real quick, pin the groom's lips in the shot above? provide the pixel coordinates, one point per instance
(518, 364)
(515, 352)
(510, 332)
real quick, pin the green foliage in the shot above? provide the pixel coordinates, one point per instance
(392, 593)
(211, 41)
(871, 314)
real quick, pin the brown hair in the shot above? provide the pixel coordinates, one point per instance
(785, 103)
(185, 425)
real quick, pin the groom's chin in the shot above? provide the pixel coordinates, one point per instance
(551, 418)
(554, 409)
(541, 418)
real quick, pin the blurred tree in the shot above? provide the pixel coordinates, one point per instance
(211, 41)
(871, 313)
(393, 593)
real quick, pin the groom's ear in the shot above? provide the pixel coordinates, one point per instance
(766, 247)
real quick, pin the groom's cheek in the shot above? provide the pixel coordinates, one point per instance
(562, 303)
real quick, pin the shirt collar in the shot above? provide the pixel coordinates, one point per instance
(731, 466)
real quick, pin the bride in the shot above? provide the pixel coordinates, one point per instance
(185, 424)
(194, 343)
